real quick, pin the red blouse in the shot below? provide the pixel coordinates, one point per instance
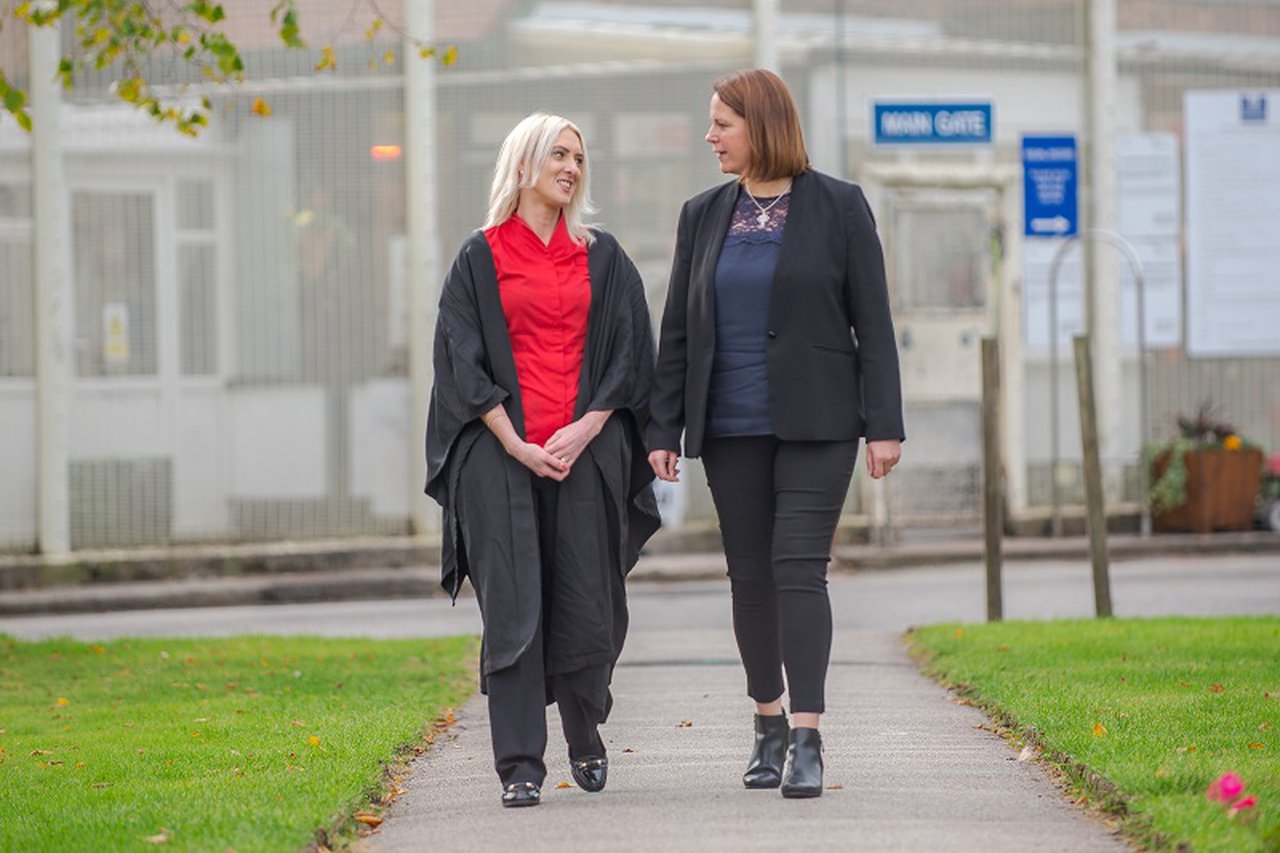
(546, 294)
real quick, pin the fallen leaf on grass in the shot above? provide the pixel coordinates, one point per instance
(1185, 749)
(1216, 688)
(161, 837)
(62, 701)
(1027, 753)
(1262, 728)
(101, 785)
(1099, 730)
(1256, 745)
(368, 818)
(1162, 773)
(42, 752)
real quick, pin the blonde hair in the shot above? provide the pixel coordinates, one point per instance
(527, 148)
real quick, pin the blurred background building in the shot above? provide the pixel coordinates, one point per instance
(241, 358)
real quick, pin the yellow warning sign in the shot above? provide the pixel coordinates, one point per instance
(115, 333)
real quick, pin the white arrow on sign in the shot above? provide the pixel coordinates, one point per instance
(1050, 225)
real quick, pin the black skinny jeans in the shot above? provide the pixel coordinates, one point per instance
(778, 503)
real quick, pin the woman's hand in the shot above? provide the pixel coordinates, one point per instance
(882, 455)
(663, 463)
(538, 460)
(569, 442)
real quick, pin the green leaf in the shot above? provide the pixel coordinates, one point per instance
(14, 100)
(289, 31)
(24, 120)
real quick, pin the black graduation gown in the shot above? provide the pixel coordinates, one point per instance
(607, 506)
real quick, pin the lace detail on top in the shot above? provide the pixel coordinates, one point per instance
(746, 226)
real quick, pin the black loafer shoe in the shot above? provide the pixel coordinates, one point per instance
(764, 769)
(519, 794)
(803, 776)
(591, 772)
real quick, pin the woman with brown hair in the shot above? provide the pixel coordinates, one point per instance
(776, 354)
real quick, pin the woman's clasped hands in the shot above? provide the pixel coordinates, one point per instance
(555, 458)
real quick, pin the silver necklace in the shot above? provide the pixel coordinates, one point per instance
(762, 218)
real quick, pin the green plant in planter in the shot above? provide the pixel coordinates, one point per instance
(1169, 490)
(1201, 431)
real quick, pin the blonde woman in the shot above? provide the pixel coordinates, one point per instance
(543, 358)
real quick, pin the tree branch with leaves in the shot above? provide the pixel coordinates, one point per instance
(125, 35)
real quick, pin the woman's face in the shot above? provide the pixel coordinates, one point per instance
(558, 179)
(728, 138)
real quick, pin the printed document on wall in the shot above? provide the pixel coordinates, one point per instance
(1150, 219)
(1233, 222)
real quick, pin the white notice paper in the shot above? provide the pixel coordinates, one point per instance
(1149, 217)
(1233, 222)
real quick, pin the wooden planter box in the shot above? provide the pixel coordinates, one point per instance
(1222, 488)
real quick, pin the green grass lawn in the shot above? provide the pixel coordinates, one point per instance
(245, 743)
(1158, 707)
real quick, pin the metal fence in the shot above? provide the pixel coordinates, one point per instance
(241, 343)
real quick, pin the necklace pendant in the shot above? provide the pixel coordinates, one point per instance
(762, 219)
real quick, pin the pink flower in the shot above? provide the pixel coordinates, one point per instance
(1242, 804)
(1226, 788)
(1273, 464)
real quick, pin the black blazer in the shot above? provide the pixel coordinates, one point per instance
(832, 355)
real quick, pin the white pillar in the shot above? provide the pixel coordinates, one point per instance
(1012, 364)
(424, 273)
(1102, 292)
(53, 302)
(764, 33)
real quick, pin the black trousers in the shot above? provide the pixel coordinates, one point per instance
(519, 694)
(778, 503)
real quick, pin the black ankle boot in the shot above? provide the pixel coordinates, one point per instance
(764, 770)
(803, 776)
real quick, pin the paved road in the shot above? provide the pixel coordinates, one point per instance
(890, 600)
(912, 770)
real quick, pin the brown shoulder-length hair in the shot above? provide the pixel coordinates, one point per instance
(773, 122)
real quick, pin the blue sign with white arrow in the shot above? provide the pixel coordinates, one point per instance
(1049, 184)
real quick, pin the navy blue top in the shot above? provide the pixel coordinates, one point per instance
(738, 397)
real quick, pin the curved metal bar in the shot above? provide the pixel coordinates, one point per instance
(1117, 241)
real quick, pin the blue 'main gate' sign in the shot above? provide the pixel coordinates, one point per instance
(932, 123)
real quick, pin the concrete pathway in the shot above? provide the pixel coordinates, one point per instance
(907, 769)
